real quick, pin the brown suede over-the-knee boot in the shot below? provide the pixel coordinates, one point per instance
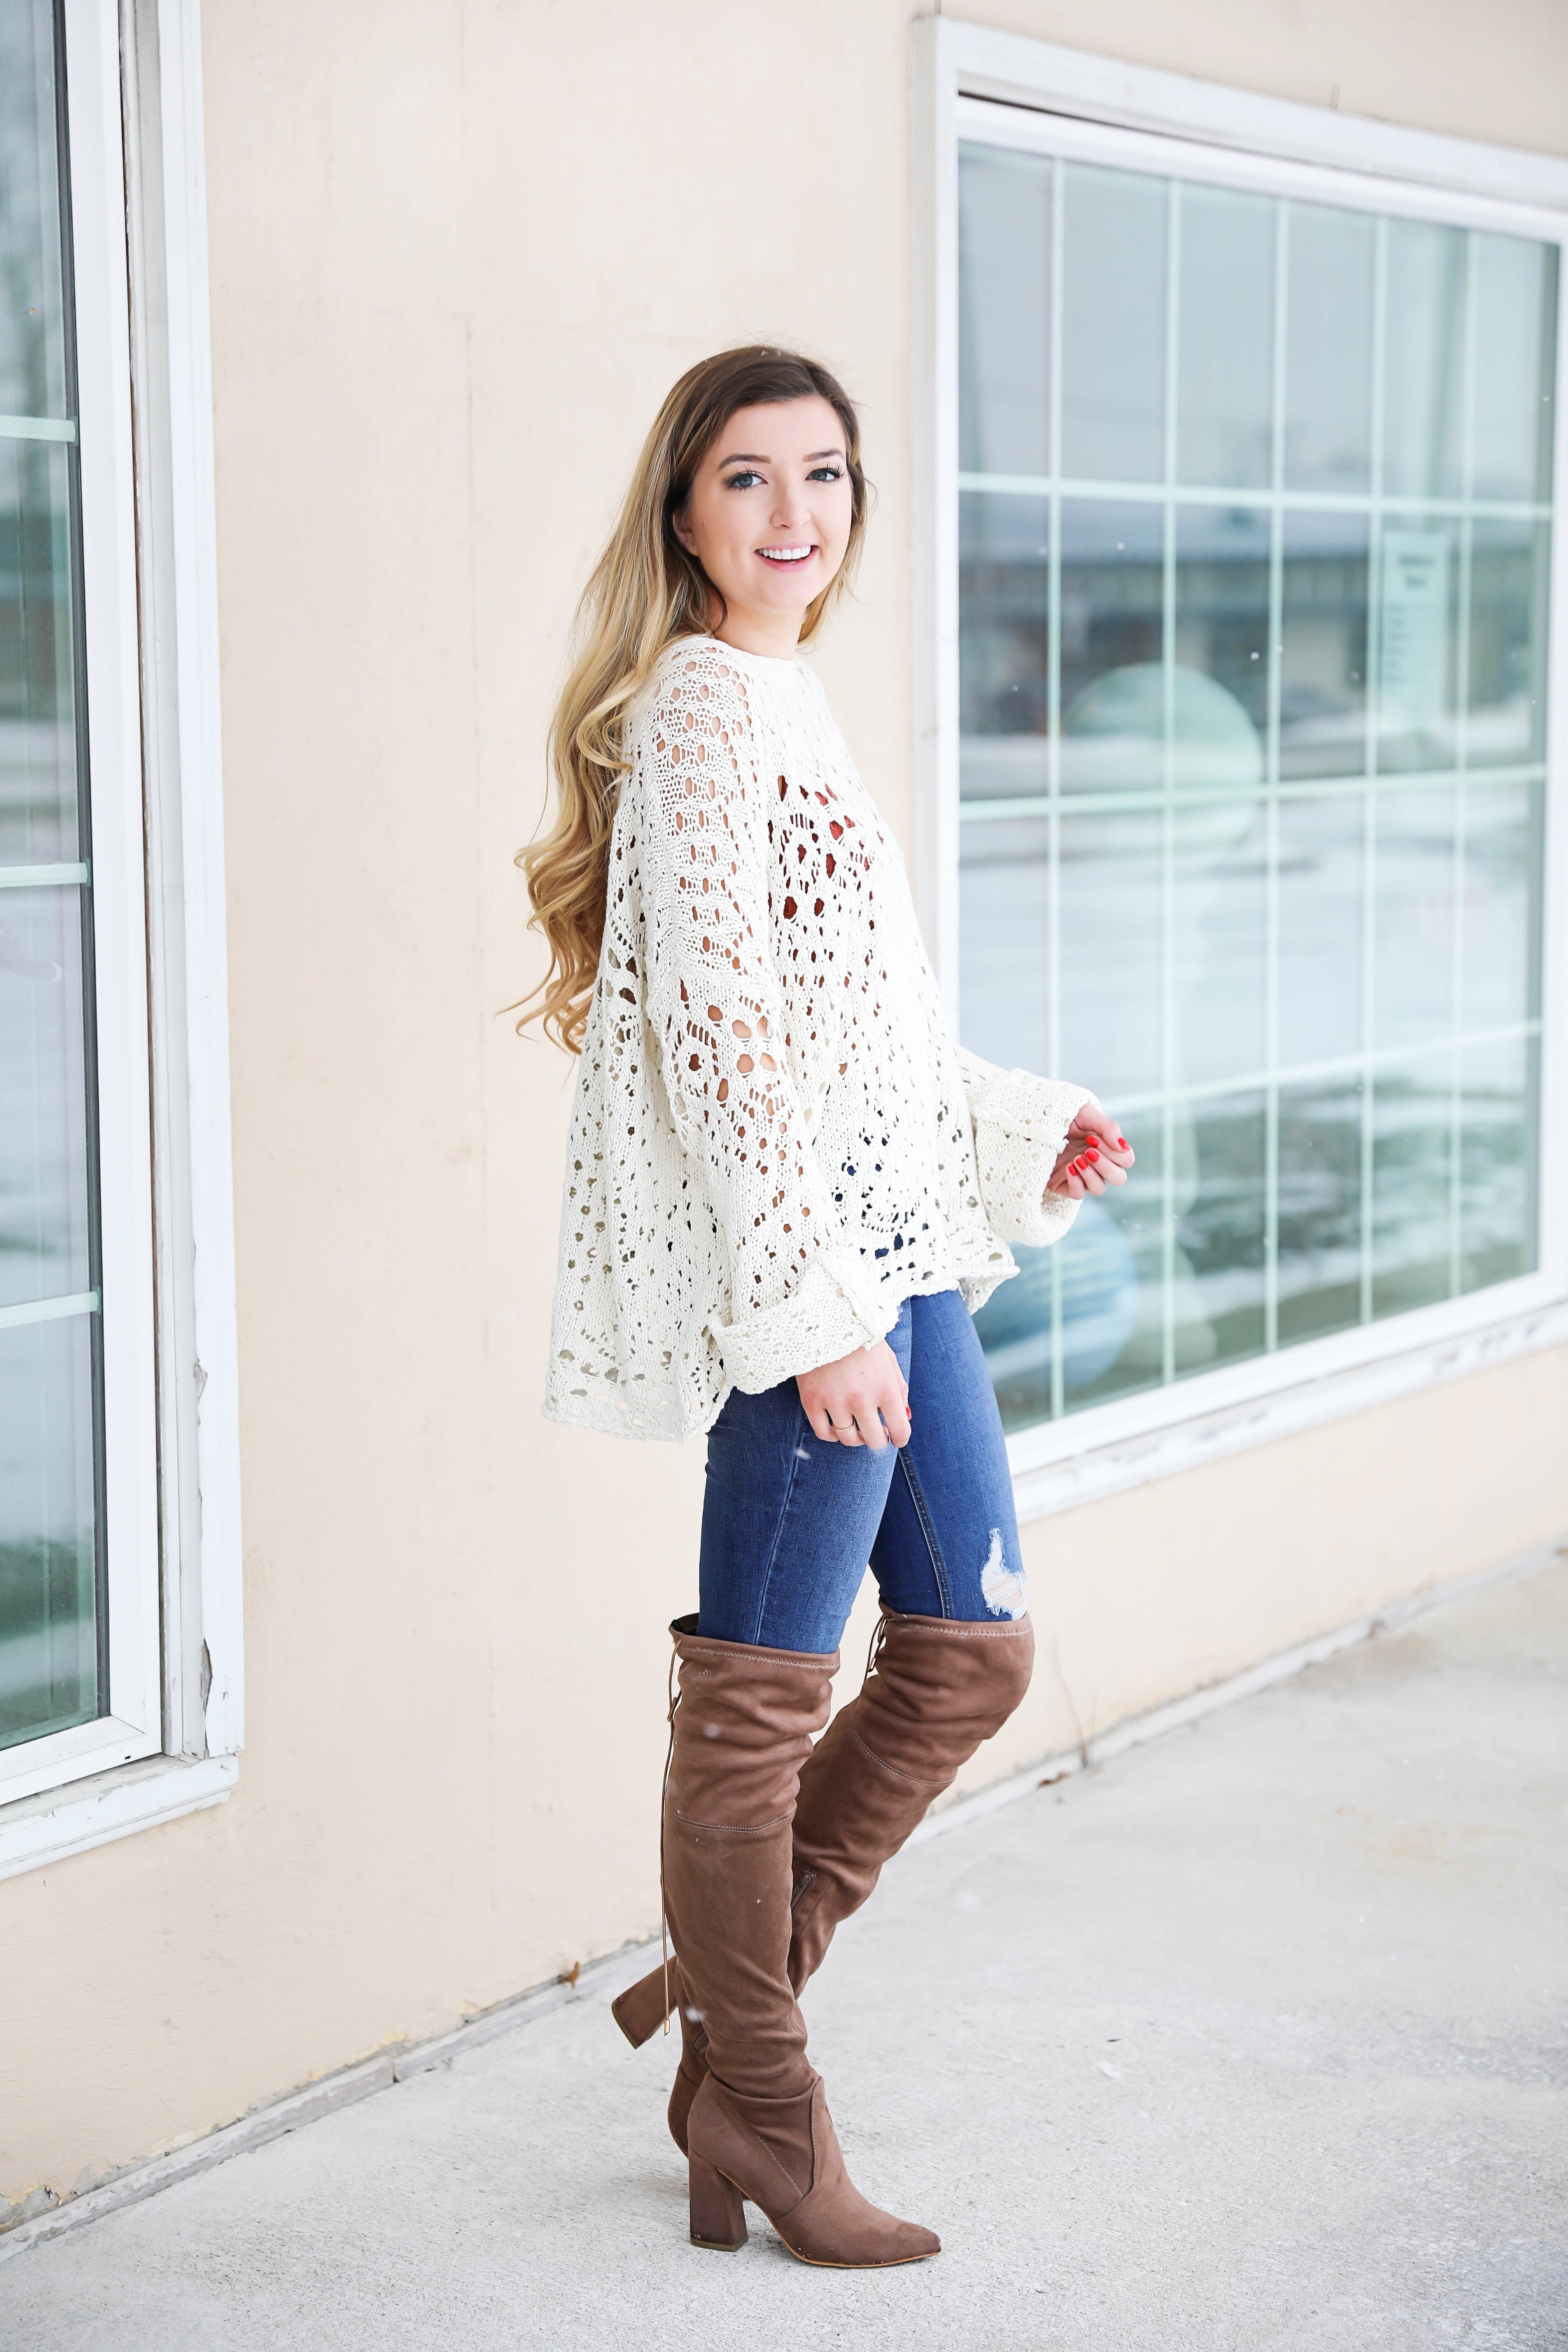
(759, 2125)
(936, 1689)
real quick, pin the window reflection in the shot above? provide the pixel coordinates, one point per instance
(1004, 554)
(1320, 873)
(1412, 1130)
(1225, 414)
(1320, 1208)
(1498, 1209)
(1219, 1207)
(1501, 874)
(1004, 242)
(1516, 327)
(1418, 652)
(1323, 650)
(48, 1632)
(1255, 689)
(1113, 614)
(1424, 392)
(1114, 327)
(1506, 719)
(1222, 603)
(1004, 941)
(52, 1644)
(1327, 423)
(1112, 887)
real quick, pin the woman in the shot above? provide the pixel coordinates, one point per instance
(786, 1190)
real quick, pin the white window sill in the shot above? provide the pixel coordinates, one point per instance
(43, 1829)
(1088, 1455)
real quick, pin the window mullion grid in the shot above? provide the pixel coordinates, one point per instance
(1462, 756)
(1369, 810)
(1219, 494)
(1271, 801)
(1348, 1066)
(1319, 788)
(1168, 879)
(1054, 717)
(52, 1309)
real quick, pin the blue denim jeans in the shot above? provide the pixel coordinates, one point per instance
(789, 1524)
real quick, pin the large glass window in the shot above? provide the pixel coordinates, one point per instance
(119, 1627)
(53, 1622)
(1254, 503)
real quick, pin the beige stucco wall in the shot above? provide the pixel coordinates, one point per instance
(458, 251)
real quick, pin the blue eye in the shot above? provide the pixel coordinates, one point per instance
(741, 481)
(826, 474)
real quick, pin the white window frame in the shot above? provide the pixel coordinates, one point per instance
(171, 1739)
(973, 84)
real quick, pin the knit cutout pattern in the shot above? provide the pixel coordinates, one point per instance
(775, 1140)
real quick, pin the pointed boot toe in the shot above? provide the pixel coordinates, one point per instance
(784, 2154)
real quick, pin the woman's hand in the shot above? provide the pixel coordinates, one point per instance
(861, 1399)
(1098, 1155)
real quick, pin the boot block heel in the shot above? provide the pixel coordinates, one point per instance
(718, 2209)
(641, 2010)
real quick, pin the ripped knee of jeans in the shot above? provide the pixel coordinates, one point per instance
(1004, 1590)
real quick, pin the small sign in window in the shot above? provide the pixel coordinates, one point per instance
(1415, 665)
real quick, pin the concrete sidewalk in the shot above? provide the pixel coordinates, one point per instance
(1257, 2037)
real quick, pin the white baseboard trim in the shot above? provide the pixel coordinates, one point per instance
(610, 1974)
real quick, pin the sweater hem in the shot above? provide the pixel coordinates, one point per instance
(608, 1417)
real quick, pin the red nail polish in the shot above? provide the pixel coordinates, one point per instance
(1093, 1151)
(1121, 1143)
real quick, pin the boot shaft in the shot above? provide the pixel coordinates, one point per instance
(741, 1731)
(742, 1725)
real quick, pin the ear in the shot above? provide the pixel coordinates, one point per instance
(682, 530)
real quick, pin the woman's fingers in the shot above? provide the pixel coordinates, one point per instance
(872, 1421)
(1090, 1170)
(861, 1399)
(895, 1419)
(1094, 1119)
(1094, 1124)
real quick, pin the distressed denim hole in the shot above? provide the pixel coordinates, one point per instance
(1004, 1590)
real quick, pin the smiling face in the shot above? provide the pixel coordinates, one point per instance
(768, 519)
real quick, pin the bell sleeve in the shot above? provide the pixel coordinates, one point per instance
(1020, 1128)
(797, 1294)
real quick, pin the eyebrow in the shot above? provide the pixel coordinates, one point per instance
(753, 457)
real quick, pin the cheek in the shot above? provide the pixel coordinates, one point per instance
(722, 536)
(834, 525)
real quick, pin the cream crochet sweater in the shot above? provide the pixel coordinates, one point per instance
(775, 1139)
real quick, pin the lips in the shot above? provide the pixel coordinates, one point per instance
(783, 556)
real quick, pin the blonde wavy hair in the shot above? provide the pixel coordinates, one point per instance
(645, 593)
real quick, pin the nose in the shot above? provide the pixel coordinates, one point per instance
(790, 507)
